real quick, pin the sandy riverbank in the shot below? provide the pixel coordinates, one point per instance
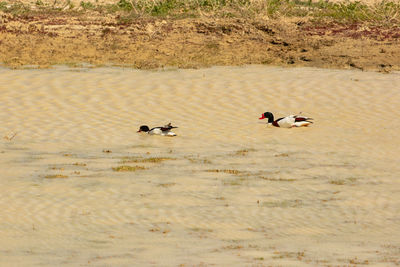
(44, 38)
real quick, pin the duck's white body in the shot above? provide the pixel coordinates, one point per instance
(288, 121)
(164, 130)
(161, 131)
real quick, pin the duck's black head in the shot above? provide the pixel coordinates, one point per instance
(144, 128)
(267, 115)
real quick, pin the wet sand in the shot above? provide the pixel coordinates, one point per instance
(228, 190)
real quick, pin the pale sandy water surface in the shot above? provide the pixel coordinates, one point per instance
(229, 192)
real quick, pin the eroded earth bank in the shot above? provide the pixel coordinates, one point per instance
(44, 38)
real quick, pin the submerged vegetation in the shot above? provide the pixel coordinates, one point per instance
(126, 168)
(145, 160)
(383, 12)
(243, 152)
(283, 203)
(55, 176)
(235, 172)
(136, 159)
(346, 181)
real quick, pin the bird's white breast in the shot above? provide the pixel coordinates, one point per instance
(287, 122)
(156, 131)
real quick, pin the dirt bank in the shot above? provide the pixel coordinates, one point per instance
(44, 39)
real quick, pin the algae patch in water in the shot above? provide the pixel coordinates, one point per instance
(238, 181)
(79, 164)
(126, 168)
(283, 204)
(278, 179)
(55, 176)
(347, 181)
(287, 255)
(243, 152)
(197, 159)
(235, 172)
(282, 155)
(166, 184)
(56, 168)
(145, 160)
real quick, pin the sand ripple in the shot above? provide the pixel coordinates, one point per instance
(231, 191)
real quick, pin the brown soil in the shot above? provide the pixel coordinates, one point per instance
(68, 38)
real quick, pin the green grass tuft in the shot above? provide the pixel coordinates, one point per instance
(383, 12)
(124, 5)
(87, 5)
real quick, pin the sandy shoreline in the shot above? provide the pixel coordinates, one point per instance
(106, 39)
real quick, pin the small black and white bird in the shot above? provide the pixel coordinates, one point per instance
(164, 130)
(288, 121)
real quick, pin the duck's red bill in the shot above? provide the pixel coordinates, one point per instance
(262, 117)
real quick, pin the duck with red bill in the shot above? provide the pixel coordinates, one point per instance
(288, 121)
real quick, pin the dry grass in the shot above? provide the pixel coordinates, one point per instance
(385, 12)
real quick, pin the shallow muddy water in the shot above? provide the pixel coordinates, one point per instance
(228, 190)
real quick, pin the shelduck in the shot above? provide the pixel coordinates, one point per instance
(162, 130)
(288, 121)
